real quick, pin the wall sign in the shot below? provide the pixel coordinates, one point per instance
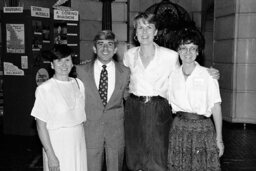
(40, 12)
(13, 9)
(41, 76)
(11, 69)
(24, 62)
(68, 15)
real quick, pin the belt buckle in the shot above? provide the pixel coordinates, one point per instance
(147, 99)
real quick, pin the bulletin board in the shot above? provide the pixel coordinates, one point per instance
(26, 34)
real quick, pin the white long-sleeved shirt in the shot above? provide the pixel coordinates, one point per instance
(152, 80)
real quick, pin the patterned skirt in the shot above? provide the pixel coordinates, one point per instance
(192, 144)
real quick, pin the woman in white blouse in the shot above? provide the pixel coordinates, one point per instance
(147, 112)
(195, 143)
(59, 112)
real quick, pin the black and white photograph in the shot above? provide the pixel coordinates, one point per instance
(127, 85)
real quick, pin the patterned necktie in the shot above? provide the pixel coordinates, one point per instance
(103, 85)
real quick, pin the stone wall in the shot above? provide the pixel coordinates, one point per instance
(234, 56)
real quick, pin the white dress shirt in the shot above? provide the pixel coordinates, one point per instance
(197, 94)
(111, 75)
(152, 80)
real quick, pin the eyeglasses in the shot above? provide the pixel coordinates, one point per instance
(185, 50)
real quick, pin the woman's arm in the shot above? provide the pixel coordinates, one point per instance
(53, 162)
(215, 73)
(217, 118)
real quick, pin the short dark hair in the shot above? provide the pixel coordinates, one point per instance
(146, 17)
(105, 35)
(58, 51)
(190, 35)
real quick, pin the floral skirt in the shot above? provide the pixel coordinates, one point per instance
(192, 145)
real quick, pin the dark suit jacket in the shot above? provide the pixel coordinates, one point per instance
(104, 123)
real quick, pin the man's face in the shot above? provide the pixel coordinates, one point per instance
(105, 50)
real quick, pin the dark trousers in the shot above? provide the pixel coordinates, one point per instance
(146, 133)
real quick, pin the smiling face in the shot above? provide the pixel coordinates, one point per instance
(62, 66)
(188, 53)
(145, 31)
(105, 50)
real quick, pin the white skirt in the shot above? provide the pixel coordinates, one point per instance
(69, 147)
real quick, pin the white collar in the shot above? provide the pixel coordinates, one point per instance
(99, 64)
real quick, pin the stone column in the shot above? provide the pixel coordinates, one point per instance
(106, 15)
(234, 55)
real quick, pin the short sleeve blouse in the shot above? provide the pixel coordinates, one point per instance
(60, 103)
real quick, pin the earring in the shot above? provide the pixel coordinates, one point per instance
(135, 38)
(156, 38)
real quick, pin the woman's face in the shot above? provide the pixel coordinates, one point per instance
(145, 32)
(63, 66)
(188, 53)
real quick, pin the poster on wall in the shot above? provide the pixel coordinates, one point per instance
(37, 27)
(24, 62)
(36, 43)
(46, 33)
(11, 69)
(15, 38)
(41, 76)
(60, 33)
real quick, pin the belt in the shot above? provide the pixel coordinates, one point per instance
(146, 99)
(191, 116)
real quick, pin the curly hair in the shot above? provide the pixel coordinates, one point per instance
(189, 35)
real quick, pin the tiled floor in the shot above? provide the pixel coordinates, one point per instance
(20, 153)
(240, 147)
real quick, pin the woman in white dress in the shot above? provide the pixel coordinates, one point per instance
(59, 112)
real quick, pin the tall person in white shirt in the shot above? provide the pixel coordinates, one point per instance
(147, 112)
(195, 143)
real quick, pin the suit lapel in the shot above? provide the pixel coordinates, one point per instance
(118, 82)
(92, 83)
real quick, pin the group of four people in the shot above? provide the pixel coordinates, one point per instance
(80, 126)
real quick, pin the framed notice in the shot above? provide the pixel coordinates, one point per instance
(15, 38)
(60, 33)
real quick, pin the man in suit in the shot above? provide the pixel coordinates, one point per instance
(104, 128)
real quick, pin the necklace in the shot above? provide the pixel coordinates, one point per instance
(67, 92)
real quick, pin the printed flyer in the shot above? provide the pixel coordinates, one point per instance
(15, 38)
